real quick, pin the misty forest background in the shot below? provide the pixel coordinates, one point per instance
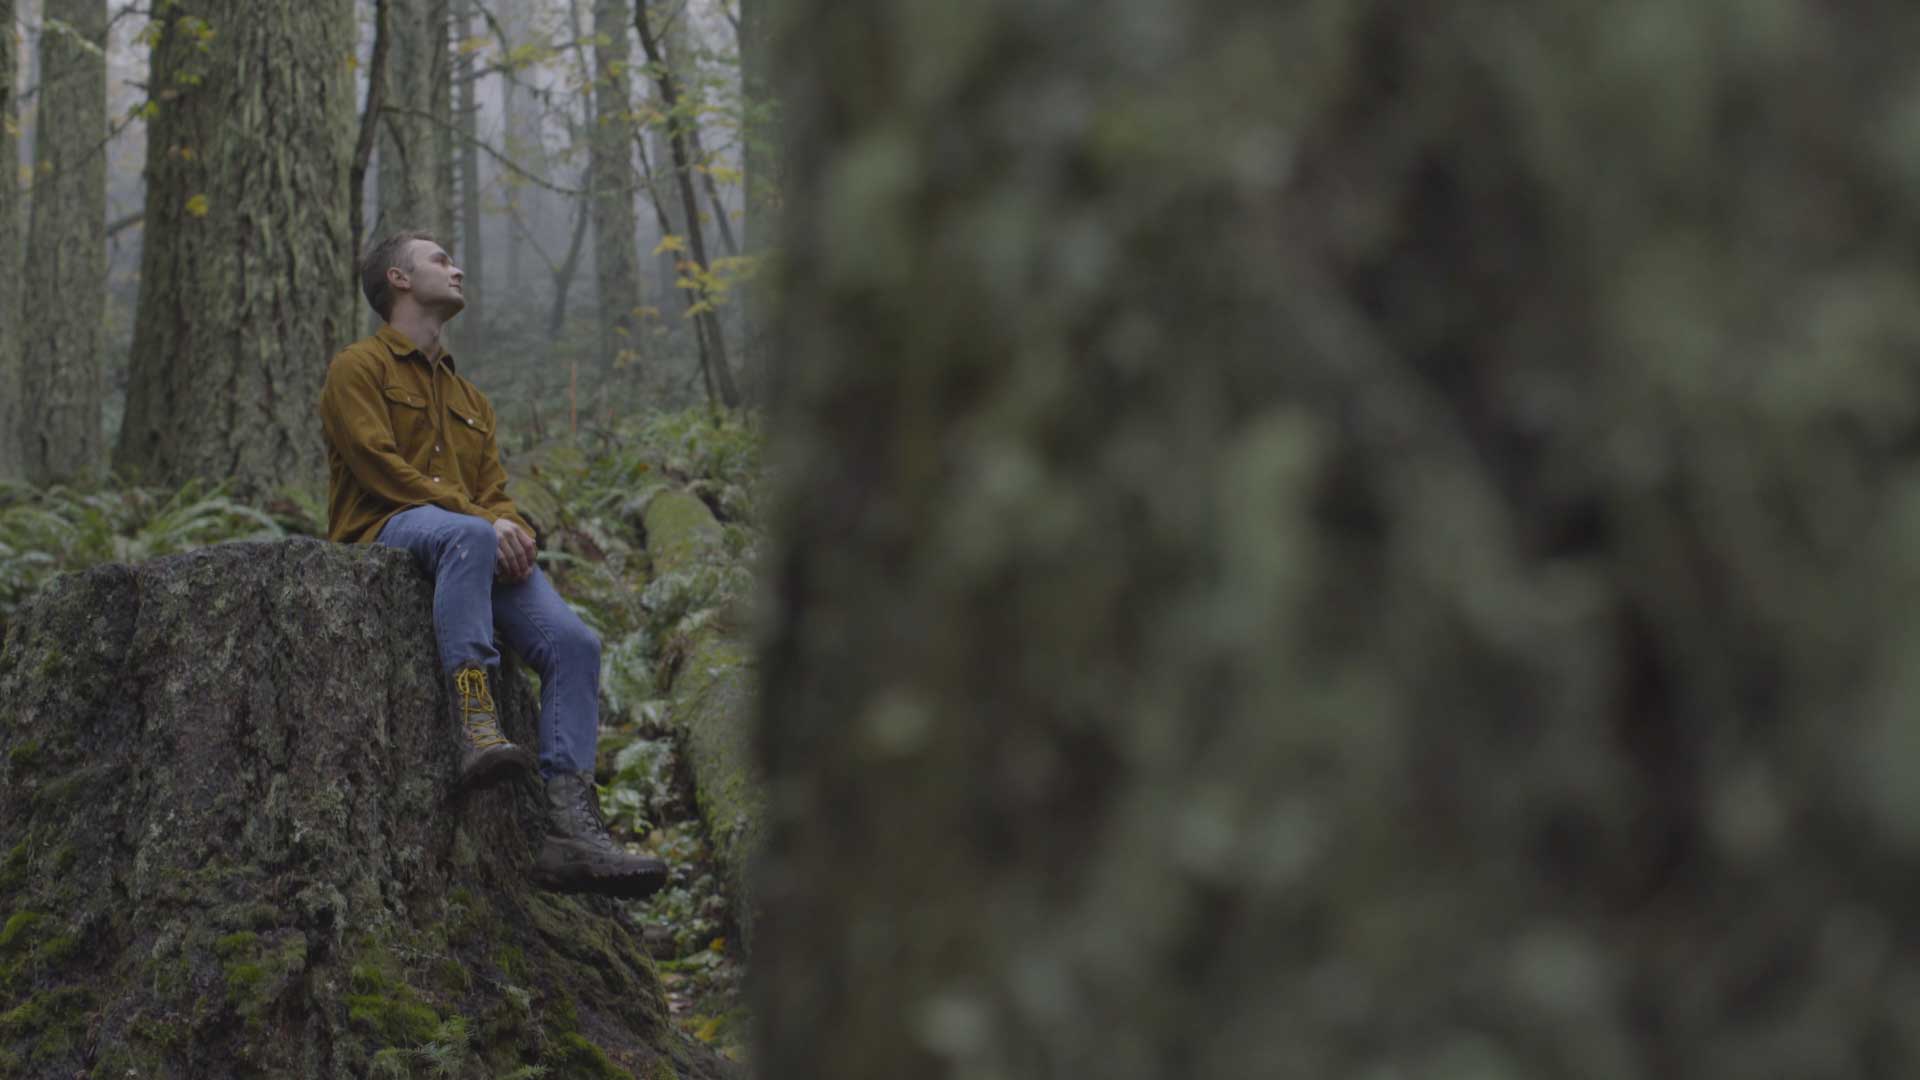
(537, 141)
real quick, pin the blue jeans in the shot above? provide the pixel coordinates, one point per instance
(469, 606)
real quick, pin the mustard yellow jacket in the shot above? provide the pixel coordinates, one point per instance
(403, 433)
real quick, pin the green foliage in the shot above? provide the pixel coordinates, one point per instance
(58, 530)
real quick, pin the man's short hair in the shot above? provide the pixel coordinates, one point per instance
(388, 254)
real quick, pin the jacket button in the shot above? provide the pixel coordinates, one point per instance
(436, 479)
(469, 423)
(436, 448)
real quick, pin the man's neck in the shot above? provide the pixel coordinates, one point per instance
(422, 327)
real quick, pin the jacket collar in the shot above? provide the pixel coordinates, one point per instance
(403, 348)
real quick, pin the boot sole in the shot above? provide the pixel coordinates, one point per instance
(625, 887)
(494, 767)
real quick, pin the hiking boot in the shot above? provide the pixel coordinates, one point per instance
(579, 856)
(489, 756)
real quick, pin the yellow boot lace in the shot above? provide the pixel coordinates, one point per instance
(477, 710)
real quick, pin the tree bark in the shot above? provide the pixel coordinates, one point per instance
(66, 294)
(1352, 544)
(232, 847)
(714, 355)
(616, 254)
(245, 272)
(12, 438)
(415, 164)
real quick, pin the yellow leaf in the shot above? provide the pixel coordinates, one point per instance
(708, 1031)
(718, 944)
(197, 206)
(670, 243)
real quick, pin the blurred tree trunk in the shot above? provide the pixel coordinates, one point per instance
(245, 273)
(616, 251)
(415, 167)
(66, 293)
(1359, 540)
(472, 248)
(12, 442)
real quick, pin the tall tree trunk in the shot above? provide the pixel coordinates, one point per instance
(616, 253)
(472, 247)
(666, 199)
(414, 165)
(66, 293)
(12, 441)
(245, 263)
(564, 273)
(715, 353)
(370, 116)
(1355, 544)
(439, 29)
(760, 184)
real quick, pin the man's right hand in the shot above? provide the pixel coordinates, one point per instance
(515, 561)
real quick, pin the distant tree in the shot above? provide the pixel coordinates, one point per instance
(616, 254)
(414, 163)
(759, 175)
(370, 118)
(65, 294)
(694, 266)
(12, 448)
(472, 246)
(245, 269)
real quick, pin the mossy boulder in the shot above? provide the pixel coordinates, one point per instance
(232, 844)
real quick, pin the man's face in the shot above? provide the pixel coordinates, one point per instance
(432, 279)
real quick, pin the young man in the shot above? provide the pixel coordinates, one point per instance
(413, 464)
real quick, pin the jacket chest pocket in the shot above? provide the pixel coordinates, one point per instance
(467, 430)
(412, 422)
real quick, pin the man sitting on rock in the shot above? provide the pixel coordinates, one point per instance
(413, 464)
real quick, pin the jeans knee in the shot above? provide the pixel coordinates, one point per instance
(580, 645)
(472, 536)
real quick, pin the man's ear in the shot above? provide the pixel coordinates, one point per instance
(397, 279)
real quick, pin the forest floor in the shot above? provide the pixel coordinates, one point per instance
(688, 925)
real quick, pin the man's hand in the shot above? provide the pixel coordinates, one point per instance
(515, 563)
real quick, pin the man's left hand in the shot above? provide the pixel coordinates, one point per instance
(515, 561)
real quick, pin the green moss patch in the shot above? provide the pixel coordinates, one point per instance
(574, 1056)
(19, 926)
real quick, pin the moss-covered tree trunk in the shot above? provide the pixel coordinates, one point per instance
(66, 292)
(707, 672)
(245, 264)
(12, 448)
(229, 843)
(413, 122)
(610, 177)
(1354, 539)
